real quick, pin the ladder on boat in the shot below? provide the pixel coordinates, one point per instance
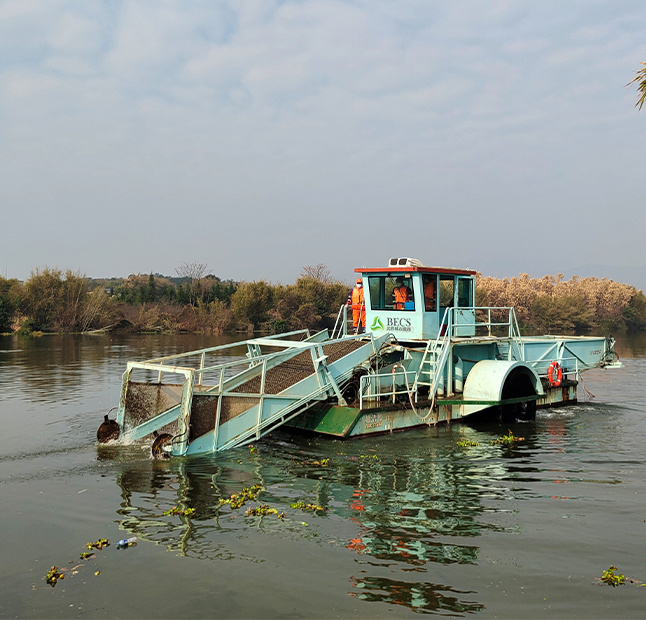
(226, 405)
(436, 354)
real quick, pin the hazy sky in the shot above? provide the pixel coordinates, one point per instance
(262, 136)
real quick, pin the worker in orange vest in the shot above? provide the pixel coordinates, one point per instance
(401, 294)
(429, 294)
(357, 301)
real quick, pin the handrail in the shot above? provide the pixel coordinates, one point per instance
(444, 351)
(326, 383)
(511, 322)
(222, 347)
(439, 347)
(343, 325)
(560, 360)
(367, 379)
(160, 367)
(421, 364)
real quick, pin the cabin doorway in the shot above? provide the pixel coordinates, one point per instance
(465, 316)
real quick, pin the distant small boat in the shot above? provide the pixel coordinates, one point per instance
(430, 359)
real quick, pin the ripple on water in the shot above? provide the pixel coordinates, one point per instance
(413, 520)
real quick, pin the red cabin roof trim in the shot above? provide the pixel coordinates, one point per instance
(400, 269)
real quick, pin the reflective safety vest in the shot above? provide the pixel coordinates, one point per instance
(429, 295)
(402, 295)
(357, 299)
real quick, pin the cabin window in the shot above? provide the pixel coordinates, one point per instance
(446, 291)
(429, 286)
(464, 293)
(391, 292)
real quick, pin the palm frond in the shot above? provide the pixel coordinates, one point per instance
(640, 79)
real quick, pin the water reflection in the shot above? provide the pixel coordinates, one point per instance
(631, 344)
(62, 368)
(421, 597)
(406, 513)
(427, 525)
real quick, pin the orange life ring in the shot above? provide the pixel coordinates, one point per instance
(555, 382)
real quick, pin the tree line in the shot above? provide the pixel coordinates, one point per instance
(552, 303)
(57, 301)
(52, 300)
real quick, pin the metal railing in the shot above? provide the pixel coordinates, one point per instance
(222, 347)
(226, 377)
(565, 368)
(439, 349)
(341, 323)
(248, 363)
(511, 323)
(371, 386)
(440, 352)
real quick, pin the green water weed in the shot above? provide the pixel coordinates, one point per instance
(611, 578)
(188, 512)
(99, 544)
(321, 463)
(53, 575)
(237, 500)
(467, 443)
(507, 440)
(306, 507)
(263, 510)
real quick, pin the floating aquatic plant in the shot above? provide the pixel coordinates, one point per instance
(368, 456)
(263, 510)
(53, 575)
(251, 449)
(237, 500)
(321, 463)
(466, 443)
(99, 544)
(188, 512)
(305, 507)
(611, 578)
(507, 440)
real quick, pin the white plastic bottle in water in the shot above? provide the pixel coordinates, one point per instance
(127, 542)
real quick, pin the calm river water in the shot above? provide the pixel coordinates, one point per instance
(412, 523)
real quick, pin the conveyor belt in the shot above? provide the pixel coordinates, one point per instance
(277, 380)
(296, 369)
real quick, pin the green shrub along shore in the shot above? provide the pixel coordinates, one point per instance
(56, 301)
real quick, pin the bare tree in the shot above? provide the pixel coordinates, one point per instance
(193, 272)
(319, 272)
(640, 79)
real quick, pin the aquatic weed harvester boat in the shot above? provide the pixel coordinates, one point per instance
(431, 359)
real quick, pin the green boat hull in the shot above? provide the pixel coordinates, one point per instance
(344, 422)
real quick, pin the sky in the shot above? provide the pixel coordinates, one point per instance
(258, 137)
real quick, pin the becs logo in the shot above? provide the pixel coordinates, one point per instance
(377, 324)
(394, 323)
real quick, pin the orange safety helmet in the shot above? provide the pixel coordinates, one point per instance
(358, 281)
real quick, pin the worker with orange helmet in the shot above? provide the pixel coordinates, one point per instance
(357, 301)
(429, 293)
(401, 294)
